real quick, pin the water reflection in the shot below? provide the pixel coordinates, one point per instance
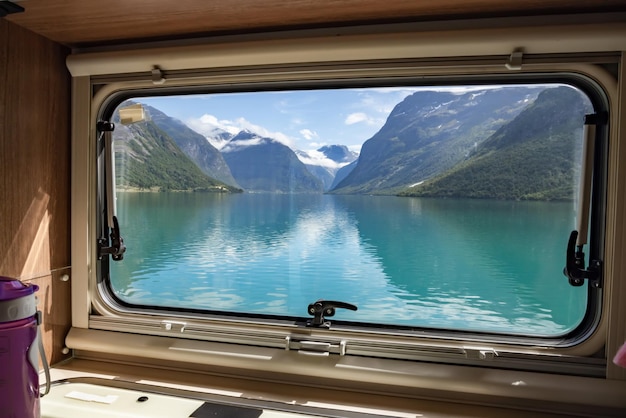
(476, 263)
(480, 265)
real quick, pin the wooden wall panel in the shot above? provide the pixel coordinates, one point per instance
(3, 70)
(35, 172)
(80, 22)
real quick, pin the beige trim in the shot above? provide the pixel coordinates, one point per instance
(432, 43)
(616, 232)
(477, 385)
(591, 346)
(80, 205)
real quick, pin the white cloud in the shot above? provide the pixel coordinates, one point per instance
(207, 125)
(308, 134)
(356, 118)
(261, 131)
(314, 157)
(211, 127)
(242, 144)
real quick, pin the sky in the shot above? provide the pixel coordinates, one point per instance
(303, 120)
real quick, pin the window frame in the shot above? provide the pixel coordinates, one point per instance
(86, 299)
(592, 315)
(239, 331)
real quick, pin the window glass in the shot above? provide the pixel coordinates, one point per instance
(445, 207)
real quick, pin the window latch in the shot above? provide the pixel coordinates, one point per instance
(480, 353)
(315, 348)
(575, 265)
(575, 260)
(117, 248)
(323, 308)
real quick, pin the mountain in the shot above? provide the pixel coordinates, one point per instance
(323, 174)
(532, 157)
(196, 146)
(342, 173)
(338, 153)
(146, 158)
(428, 133)
(262, 164)
(218, 138)
(325, 162)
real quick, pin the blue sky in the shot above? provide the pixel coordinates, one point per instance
(304, 120)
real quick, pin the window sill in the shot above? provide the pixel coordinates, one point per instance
(277, 400)
(281, 375)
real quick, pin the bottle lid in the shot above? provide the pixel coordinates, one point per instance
(13, 288)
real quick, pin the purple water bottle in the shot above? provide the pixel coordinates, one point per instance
(19, 352)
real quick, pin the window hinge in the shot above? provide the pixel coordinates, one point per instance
(175, 326)
(315, 348)
(480, 353)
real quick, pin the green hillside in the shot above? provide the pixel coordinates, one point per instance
(146, 158)
(430, 132)
(534, 157)
(194, 145)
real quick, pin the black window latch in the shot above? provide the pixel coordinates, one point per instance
(117, 248)
(323, 308)
(575, 265)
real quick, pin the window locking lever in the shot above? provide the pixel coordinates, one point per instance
(325, 307)
(575, 258)
(575, 265)
(117, 248)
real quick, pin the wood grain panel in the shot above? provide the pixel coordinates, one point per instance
(34, 168)
(79, 22)
(3, 69)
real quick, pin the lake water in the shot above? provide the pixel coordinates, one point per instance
(458, 264)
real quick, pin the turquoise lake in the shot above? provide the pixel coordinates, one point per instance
(476, 265)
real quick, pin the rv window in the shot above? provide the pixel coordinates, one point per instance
(428, 208)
